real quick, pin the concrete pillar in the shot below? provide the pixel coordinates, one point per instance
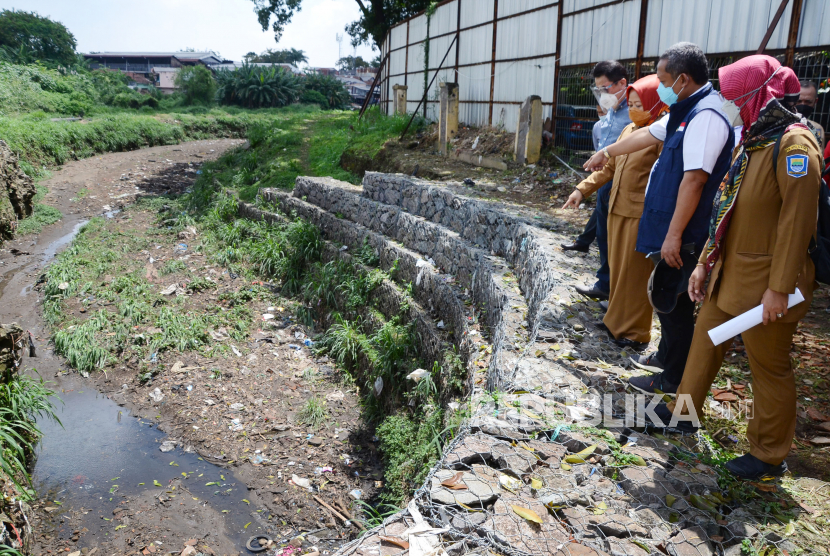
(400, 99)
(448, 116)
(528, 145)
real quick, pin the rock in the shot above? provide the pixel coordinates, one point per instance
(694, 480)
(626, 548)
(575, 442)
(574, 549)
(468, 522)
(646, 484)
(515, 460)
(585, 522)
(496, 427)
(17, 191)
(479, 492)
(316, 440)
(168, 446)
(690, 542)
(474, 448)
(188, 551)
(520, 534)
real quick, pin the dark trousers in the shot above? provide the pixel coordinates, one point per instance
(678, 328)
(597, 228)
(604, 272)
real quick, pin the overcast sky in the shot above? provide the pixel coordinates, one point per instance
(229, 27)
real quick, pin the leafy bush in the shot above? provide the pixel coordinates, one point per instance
(314, 97)
(330, 88)
(257, 87)
(197, 85)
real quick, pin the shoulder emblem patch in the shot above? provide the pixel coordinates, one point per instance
(797, 165)
(792, 148)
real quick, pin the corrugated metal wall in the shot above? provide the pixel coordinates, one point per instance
(494, 79)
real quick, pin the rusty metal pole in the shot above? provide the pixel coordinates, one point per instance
(556, 68)
(424, 98)
(795, 25)
(368, 98)
(493, 63)
(457, 40)
(641, 38)
(773, 24)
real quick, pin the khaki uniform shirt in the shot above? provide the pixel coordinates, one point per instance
(630, 174)
(769, 234)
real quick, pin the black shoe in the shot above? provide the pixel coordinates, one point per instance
(649, 384)
(576, 246)
(649, 363)
(751, 468)
(604, 306)
(601, 325)
(631, 344)
(665, 416)
(593, 292)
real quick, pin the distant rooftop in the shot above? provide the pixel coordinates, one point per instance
(187, 55)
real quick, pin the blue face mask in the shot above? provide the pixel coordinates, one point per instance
(667, 94)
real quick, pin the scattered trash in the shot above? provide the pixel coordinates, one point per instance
(220, 334)
(295, 346)
(344, 248)
(237, 406)
(308, 343)
(168, 446)
(181, 248)
(156, 395)
(208, 401)
(440, 325)
(63, 286)
(321, 470)
(301, 482)
(357, 494)
(378, 386)
(417, 374)
(236, 425)
(259, 543)
(236, 351)
(335, 396)
(267, 316)
(170, 290)
(469, 182)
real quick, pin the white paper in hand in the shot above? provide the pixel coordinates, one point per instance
(750, 319)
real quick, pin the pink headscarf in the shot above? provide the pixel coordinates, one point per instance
(738, 82)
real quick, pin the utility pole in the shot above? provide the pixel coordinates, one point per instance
(339, 47)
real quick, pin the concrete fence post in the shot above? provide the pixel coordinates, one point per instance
(448, 116)
(400, 99)
(528, 146)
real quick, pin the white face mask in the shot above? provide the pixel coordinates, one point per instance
(608, 101)
(733, 111)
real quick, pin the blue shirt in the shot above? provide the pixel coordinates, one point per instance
(612, 126)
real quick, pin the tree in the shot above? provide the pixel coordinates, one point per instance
(28, 36)
(289, 56)
(196, 84)
(350, 62)
(377, 17)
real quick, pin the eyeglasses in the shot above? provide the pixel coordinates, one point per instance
(604, 88)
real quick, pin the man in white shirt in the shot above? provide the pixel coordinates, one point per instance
(698, 140)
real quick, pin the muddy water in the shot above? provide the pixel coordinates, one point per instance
(102, 456)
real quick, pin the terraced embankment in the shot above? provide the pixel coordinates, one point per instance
(526, 474)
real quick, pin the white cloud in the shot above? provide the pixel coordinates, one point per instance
(229, 27)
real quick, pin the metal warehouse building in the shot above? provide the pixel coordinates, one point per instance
(502, 51)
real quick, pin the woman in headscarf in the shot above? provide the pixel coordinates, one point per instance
(763, 217)
(629, 312)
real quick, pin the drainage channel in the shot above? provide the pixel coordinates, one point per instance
(101, 467)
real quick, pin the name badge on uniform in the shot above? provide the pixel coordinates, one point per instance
(797, 165)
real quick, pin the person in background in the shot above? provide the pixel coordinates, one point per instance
(698, 140)
(596, 134)
(610, 83)
(629, 314)
(757, 252)
(807, 101)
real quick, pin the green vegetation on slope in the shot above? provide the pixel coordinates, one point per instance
(42, 215)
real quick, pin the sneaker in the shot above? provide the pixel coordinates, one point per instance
(648, 362)
(751, 468)
(665, 416)
(649, 384)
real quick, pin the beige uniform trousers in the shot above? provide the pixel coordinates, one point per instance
(771, 430)
(629, 311)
